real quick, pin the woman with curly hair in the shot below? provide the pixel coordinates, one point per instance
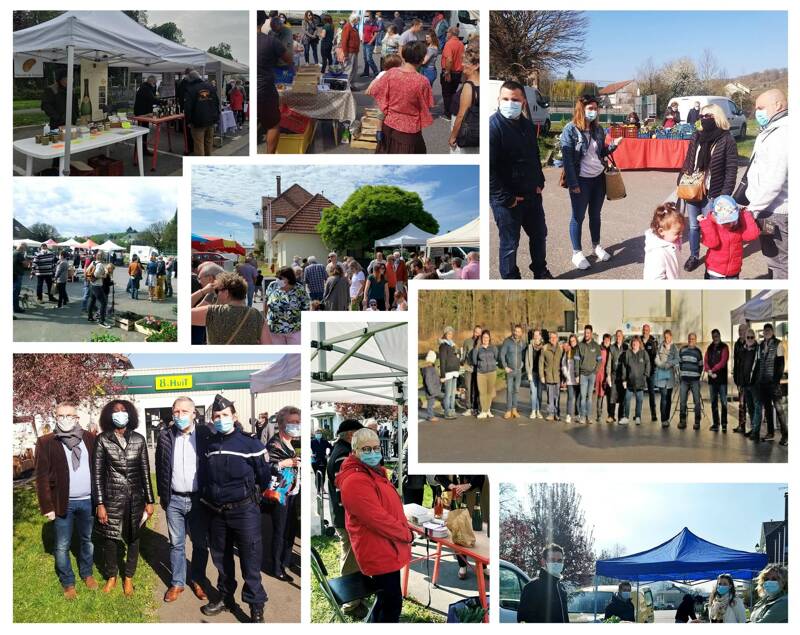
(121, 488)
(772, 585)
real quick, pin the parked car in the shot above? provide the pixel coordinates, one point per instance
(735, 116)
(216, 258)
(512, 581)
(538, 110)
(588, 605)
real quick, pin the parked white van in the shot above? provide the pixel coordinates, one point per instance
(735, 116)
(538, 110)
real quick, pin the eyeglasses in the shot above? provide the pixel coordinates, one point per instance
(368, 448)
(750, 337)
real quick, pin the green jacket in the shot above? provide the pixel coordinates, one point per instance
(550, 364)
(589, 353)
(769, 609)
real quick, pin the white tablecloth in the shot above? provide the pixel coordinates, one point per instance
(227, 121)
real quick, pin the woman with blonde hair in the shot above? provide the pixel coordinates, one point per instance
(772, 585)
(713, 153)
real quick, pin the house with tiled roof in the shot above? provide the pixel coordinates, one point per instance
(620, 95)
(288, 224)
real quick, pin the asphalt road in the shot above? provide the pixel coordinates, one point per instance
(497, 440)
(622, 232)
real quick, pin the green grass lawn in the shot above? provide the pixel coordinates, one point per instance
(745, 146)
(37, 593)
(24, 104)
(30, 119)
(321, 611)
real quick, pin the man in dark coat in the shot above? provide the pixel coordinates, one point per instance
(64, 488)
(201, 107)
(320, 447)
(650, 345)
(621, 605)
(179, 450)
(144, 103)
(54, 101)
(544, 599)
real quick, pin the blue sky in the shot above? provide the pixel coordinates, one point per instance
(227, 198)
(92, 206)
(189, 360)
(619, 42)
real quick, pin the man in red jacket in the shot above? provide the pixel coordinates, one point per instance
(350, 45)
(64, 489)
(375, 521)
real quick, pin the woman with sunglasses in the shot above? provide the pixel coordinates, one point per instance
(584, 149)
(375, 521)
(713, 152)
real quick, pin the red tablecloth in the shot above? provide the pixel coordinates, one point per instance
(651, 154)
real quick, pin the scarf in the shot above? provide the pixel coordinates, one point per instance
(72, 439)
(707, 141)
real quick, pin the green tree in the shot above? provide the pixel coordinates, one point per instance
(371, 212)
(569, 76)
(223, 49)
(153, 235)
(25, 19)
(43, 232)
(170, 31)
(170, 237)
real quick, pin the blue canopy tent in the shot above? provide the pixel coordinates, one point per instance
(685, 556)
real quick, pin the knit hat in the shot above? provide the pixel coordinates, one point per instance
(726, 210)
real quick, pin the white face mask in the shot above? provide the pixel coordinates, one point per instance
(510, 109)
(555, 568)
(65, 424)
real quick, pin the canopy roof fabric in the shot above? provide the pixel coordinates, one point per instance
(468, 235)
(409, 235)
(89, 244)
(283, 375)
(213, 243)
(369, 375)
(102, 36)
(50, 242)
(209, 60)
(110, 245)
(70, 243)
(685, 556)
(772, 304)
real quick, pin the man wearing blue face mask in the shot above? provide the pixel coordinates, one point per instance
(516, 182)
(178, 451)
(544, 599)
(621, 605)
(233, 475)
(320, 449)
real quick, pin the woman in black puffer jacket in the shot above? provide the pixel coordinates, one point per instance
(121, 488)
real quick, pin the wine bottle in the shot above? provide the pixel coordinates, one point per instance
(437, 508)
(86, 101)
(477, 517)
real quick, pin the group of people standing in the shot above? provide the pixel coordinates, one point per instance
(721, 214)
(214, 482)
(158, 274)
(619, 371)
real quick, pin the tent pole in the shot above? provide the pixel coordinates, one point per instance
(252, 411)
(400, 462)
(636, 615)
(68, 117)
(595, 598)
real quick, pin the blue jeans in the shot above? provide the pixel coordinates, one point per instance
(251, 291)
(431, 399)
(593, 191)
(86, 293)
(718, 396)
(639, 394)
(79, 514)
(573, 394)
(753, 405)
(449, 403)
(513, 381)
(536, 386)
(186, 515)
(692, 210)
(585, 403)
(687, 387)
(429, 72)
(17, 289)
(316, 295)
(369, 61)
(527, 215)
(553, 395)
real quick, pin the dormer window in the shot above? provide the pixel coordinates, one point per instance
(280, 220)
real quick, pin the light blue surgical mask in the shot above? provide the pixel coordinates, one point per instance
(223, 425)
(318, 437)
(626, 595)
(590, 115)
(761, 117)
(723, 589)
(182, 422)
(510, 109)
(772, 587)
(120, 419)
(373, 459)
(555, 568)
(293, 430)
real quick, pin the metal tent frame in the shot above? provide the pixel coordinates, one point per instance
(327, 379)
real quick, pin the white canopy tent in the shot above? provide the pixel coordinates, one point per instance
(70, 243)
(102, 36)
(409, 236)
(468, 236)
(109, 245)
(25, 241)
(363, 363)
(771, 304)
(282, 376)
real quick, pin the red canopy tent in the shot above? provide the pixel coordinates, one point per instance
(89, 244)
(214, 243)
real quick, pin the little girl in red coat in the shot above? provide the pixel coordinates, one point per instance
(724, 232)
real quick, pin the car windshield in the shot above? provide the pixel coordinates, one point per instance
(584, 601)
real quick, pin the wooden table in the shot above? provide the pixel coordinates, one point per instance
(33, 150)
(152, 120)
(479, 554)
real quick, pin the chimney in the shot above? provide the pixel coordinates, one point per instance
(278, 185)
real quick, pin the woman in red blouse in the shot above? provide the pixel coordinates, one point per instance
(405, 98)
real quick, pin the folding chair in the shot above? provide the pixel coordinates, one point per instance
(342, 590)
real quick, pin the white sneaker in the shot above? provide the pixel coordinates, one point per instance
(602, 254)
(568, 419)
(535, 414)
(637, 421)
(489, 415)
(481, 415)
(623, 421)
(579, 260)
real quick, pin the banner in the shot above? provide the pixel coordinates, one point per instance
(27, 66)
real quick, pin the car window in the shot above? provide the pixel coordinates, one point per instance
(584, 601)
(648, 598)
(510, 588)
(733, 107)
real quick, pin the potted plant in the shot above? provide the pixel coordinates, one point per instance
(148, 325)
(167, 333)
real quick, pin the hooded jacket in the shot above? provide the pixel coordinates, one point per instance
(201, 104)
(484, 359)
(448, 359)
(550, 364)
(768, 175)
(543, 600)
(636, 369)
(589, 353)
(660, 258)
(613, 365)
(726, 242)
(512, 353)
(374, 518)
(515, 168)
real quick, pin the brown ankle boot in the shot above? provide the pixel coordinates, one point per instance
(110, 584)
(127, 586)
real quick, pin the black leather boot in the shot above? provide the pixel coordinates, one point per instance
(217, 607)
(257, 613)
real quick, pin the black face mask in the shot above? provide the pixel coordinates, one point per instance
(708, 125)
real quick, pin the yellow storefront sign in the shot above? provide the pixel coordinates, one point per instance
(173, 382)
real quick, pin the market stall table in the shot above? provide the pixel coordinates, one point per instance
(86, 143)
(650, 154)
(479, 554)
(152, 120)
(330, 105)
